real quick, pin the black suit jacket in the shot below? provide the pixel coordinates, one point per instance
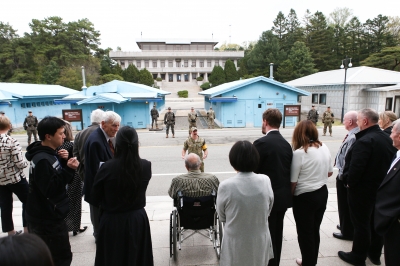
(367, 162)
(275, 161)
(387, 206)
(96, 150)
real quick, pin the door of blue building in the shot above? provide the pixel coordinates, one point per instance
(235, 114)
(135, 115)
(258, 110)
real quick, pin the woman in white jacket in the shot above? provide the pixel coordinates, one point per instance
(244, 203)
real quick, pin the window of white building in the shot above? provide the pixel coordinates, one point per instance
(209, 63)
(154, 63)
(170, 63)
(186, 63)
(138, 62)
(201, 63)
(146, 63)
(193, 63)
(162, 63)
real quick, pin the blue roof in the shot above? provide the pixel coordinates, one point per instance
(15, 91)
(115, 91)
(226, 87)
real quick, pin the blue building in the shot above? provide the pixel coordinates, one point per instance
(131, 101)
(16, 99)
(241, 103)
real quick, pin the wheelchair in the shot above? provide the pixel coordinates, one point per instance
(196, 214)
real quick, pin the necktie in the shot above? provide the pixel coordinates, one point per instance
(111, 146)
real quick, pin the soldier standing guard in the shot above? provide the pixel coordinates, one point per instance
(211, 117)
(192, 116)
(154, 115)
(169, 121)
(328, 120)
(197, 145)
(313, 115)
(30, 125)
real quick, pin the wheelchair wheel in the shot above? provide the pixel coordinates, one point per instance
(170, 234)
(218, 234)
(174, 234)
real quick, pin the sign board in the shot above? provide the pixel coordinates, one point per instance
(291, 110)
(73, 115)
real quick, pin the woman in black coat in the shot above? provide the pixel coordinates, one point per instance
(386, 120)
(120, 192)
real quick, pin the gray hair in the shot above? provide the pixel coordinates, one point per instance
(111, 117)
(396, 126)
(96, 116)
(192, 161)
(370, 114)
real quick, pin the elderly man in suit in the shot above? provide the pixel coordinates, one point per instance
(79, 143)
(346, 226)
(99, 148)
(275, 161)
(365, 167)
(387, 206)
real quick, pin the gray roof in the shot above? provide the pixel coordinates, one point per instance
(175, 41)
(14, 91)
(226, 87)
(385, 88)
(355, 75)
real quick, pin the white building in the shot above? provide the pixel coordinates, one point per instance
(366, 87)
(176, 60)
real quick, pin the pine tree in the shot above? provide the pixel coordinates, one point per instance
(231, 73)
(301, 60)
(131, 74)
(217, 76)
(280, 27)
(145, 77)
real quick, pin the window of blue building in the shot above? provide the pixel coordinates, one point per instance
(22, 105)
(33, 104)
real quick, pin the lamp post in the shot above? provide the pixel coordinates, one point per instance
(346, 63)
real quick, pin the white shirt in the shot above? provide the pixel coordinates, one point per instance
(310, 170)
(394, 161)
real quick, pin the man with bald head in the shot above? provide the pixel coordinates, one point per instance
(194, 183)
(366, 165)
(345, 225)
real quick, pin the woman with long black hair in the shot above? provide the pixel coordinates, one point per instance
(120, 192)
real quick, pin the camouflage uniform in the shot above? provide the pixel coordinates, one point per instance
(169, 121)
(30, 125)
(192, 116)
(327, 119)
(211, 117)
(154, 115)
(197, 147)
(313, 116)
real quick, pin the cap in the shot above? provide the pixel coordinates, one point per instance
(312, 105)
(193, 129)
(210, 107)
(192, 108)
(1, 112)
(29, 111)
(154, 105)
(329, 107)
(169, 108)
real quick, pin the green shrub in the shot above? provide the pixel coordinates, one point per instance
(159, 79)
(183, 94)
(205, 86)
(199, 78)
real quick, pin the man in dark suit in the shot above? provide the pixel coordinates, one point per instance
(387, 206)
(366, 165)
(99, 148)
(79, 142)
(275, 161)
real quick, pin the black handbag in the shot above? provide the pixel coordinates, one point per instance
(61, 208)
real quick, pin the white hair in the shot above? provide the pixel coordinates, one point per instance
(111, 117)
(396, 125)
(97, 116)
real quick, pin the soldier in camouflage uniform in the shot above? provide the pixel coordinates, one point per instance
(313, 115)
(197, 145)
(327, 119)
(169, 121)
(154, 115)
(192, 117)
(30, 125)
(211, 117)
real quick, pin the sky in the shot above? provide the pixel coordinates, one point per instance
(122, 22)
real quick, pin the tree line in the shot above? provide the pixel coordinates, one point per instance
(54, 51)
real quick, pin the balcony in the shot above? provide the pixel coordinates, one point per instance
(152, 55)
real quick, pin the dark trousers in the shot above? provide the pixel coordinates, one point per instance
(346, 226)
(21, 189)
(392, 244)
(275, 223)
(308, 211)
(172, 129)
(365, 238)
(56, 238)
(95, 218)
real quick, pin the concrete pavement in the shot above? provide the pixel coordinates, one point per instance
(197, 250)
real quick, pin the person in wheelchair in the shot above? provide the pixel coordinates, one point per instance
(194, 183)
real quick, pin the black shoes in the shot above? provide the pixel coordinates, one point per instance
(341, 237)
(374, 261)
(80, 231)
(350, 258)
(338, 227)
